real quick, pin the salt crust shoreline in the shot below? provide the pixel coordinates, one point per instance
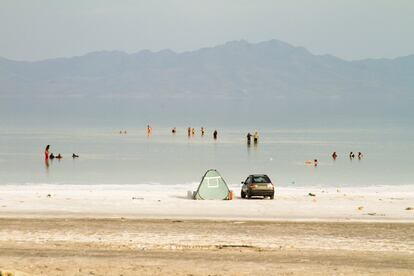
(371, 203)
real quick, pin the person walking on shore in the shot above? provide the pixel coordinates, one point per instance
(215, 134)
(202, 131)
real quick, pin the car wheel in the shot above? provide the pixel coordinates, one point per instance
(243, 194)
(249, 196)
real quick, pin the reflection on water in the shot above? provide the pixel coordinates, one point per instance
(106, 157)
(47, 165)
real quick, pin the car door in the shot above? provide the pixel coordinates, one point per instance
(246, 183)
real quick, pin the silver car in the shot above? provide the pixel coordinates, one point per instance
(258, 185)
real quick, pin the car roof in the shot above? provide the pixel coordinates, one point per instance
(258, 175)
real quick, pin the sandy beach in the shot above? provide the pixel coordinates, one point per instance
(203, 247)
(157, 230)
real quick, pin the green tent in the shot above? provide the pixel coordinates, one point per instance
(212, 186)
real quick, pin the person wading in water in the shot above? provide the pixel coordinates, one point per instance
(47, 152)
(249, 138)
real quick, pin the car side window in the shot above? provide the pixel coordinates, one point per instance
(247, 180)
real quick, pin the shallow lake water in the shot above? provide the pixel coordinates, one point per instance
(107, 157)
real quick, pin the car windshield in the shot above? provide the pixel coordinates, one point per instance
(261, 179)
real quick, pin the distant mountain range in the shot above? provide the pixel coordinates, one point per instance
(237, 80)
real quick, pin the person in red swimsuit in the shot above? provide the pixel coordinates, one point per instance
(47, 152)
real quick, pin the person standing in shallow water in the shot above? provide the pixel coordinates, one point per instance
(47, 152)
(249, 138)
(334, 155)
(215, 134)
(47, 158)
(202, 131)
(256, 137)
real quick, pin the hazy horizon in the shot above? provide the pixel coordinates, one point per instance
(350, 30)
(302, 57)
(266, 83)
(202, 48)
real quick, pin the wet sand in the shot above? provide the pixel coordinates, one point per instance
(120, 246)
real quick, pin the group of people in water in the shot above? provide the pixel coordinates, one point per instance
(351, 155)
(334, 156)
(255, 137)
(51, 156)
(191, 132)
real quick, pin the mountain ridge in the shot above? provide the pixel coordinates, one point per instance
(231, 75)
(241, 41)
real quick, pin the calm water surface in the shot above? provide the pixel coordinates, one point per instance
(106, 157)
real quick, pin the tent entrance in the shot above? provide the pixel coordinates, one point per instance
(213, 182)
(212, 186)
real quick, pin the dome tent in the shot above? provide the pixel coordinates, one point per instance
(212, 186)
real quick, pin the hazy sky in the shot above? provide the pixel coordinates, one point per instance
(350, 29)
